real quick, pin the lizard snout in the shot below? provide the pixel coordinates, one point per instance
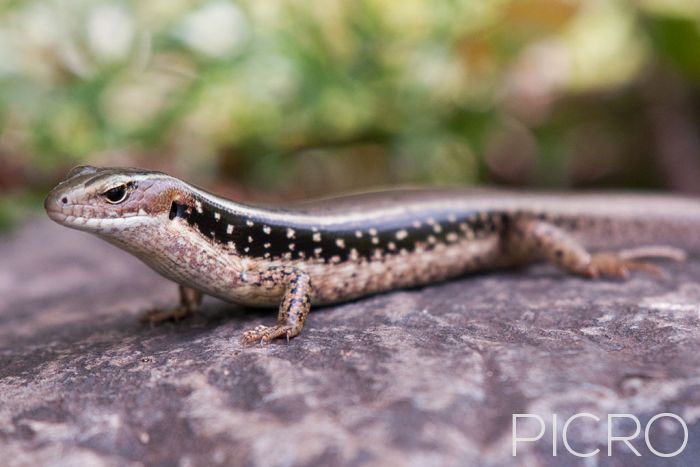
(55, 203)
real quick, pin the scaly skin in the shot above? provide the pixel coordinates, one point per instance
(344, 248)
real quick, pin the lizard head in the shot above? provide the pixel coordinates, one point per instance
(103, 200)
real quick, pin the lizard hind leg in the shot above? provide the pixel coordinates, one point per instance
(532, 238)
(190, 301)
(292, 315)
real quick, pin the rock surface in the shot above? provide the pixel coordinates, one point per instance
(421, 377)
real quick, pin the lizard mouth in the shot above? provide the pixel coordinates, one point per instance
(66, 217)
(60, 209)
(57, 216)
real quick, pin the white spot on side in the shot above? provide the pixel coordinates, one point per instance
(452, 237)
(401, 234)
(250, 239)
(335, 259)
(375, 240)
(317, 237)
(391, 246)
(249, 223)
(229, 229)
(267, 229)
(430, 221)
(354, 255)
(292, 246)
(246, 249)
(417, 224)
(267, 245)
(463, 227)
(358, 234)
(291, 233)
(432, 240)
(373, 232)
(198, 206)
(232, 246)
(217, 216)
(318, 251)
(452, 218)
(287, 255)
(340, 242)
(437, 228)
(267, 255)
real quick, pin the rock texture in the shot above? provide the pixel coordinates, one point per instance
(420, 377)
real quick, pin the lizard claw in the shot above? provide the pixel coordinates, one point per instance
(620, 264)
(265, 334)
(157, 315)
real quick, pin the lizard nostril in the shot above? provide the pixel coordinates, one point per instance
(64, 200)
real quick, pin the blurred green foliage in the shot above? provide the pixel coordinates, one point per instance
(308, 96)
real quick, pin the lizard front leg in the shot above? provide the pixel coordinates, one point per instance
(538, 239)
(190, 301)
(293, 312)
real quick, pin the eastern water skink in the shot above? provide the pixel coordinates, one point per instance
(343, 248)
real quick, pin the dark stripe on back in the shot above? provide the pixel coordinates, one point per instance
(270, 238)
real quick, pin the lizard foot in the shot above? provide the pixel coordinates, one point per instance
(264, 334)
(619, 265)
(158, 316)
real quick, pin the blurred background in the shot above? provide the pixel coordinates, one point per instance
(293, 98)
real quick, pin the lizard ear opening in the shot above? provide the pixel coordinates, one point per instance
(177, 210)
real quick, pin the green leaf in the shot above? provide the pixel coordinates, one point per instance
(677, 40)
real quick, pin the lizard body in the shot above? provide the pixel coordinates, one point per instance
(344, 248)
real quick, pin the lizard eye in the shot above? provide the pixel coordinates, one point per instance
(116, 195)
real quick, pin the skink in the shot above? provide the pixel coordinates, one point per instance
(343, 248)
